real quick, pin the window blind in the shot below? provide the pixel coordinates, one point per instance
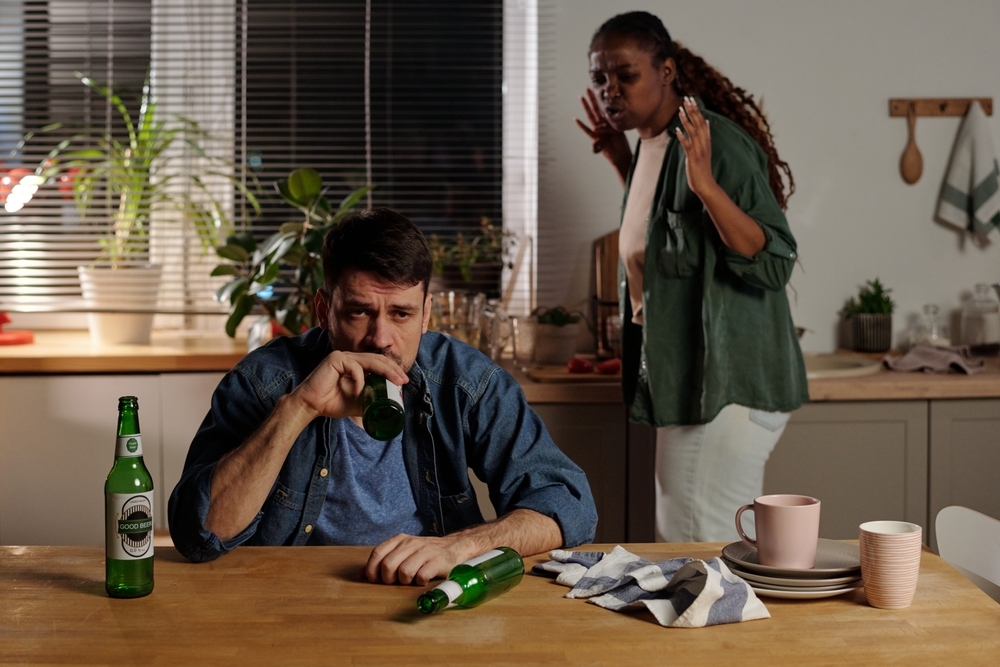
(406, 95)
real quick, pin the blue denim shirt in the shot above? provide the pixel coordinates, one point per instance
(462, 411)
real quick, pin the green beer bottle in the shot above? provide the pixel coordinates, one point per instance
(128, 511)
(475, 581)
(382, 402)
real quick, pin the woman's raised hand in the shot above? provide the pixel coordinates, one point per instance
(607, 141)
(696, 139)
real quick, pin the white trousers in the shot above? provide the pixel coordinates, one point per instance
(704, 473)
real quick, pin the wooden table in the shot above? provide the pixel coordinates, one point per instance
(307, 606)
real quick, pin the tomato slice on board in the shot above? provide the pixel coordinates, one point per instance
(578, 365)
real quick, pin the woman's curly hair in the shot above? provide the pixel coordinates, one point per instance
(697, 78)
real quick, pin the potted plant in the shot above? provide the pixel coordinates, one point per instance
(870, 315)
(138, 173)
(283, 274)
(472, 263)
(556, 331)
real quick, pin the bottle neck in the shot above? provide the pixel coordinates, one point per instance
(128, 446)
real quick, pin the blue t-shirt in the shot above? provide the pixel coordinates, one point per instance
(369, 498)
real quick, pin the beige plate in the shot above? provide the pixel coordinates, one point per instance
(803, 594)
(791, 582)
(819, 366)
(833, 559)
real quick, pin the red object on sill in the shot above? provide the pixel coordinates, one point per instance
(13, 337)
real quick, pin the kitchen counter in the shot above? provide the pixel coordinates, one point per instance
(70, 352)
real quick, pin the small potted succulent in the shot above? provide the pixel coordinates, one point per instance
(870, 315)
(556, 331)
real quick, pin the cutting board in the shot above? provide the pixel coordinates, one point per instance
(560, 374)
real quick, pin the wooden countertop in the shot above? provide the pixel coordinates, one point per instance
(72, 352)
(308, 606)
(898, 386)
(68, 352)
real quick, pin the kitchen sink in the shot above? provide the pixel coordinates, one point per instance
(821, 366)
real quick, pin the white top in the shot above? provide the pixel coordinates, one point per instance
(632, 235)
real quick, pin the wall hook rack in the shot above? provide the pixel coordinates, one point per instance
(911, 163)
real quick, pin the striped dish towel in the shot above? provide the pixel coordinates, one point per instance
(970, 198)
(680, 592)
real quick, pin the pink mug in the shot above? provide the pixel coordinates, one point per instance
(787, 530)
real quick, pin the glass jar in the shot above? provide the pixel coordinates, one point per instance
(981, 323)
(929, 329)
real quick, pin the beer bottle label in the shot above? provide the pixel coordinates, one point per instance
(393, 392)
(129, 525)
(128, 445)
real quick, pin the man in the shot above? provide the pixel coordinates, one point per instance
(282, 458)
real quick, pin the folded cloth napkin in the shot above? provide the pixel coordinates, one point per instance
(933, 359)
(680, 593)
(970, 198)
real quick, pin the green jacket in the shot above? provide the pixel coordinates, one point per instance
(717, 327)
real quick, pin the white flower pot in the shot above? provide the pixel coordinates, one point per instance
(121, 289)
(555, 345)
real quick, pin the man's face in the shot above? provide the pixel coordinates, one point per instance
(366, 313)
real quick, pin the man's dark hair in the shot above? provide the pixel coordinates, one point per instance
(381, 241)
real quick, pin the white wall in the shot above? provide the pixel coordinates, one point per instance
(826, 70)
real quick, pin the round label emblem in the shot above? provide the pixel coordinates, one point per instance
(132, 445)
(135, 525)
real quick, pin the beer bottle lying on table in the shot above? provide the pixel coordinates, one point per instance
(382, 402)
(475, 581)
(128, 511)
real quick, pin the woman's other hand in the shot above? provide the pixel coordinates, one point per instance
(696, 139)
(607, 141)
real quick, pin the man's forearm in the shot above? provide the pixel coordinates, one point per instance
(243, 478)
(525, 531)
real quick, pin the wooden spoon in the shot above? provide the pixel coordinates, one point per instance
(911, 164)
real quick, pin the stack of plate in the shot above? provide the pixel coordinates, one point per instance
(837, 571)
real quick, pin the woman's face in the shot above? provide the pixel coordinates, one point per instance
(634, 93)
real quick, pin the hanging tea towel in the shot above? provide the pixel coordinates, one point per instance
(680, 592)
(970, 198)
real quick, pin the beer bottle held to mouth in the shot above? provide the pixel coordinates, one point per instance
(128, 511)
(382, 405)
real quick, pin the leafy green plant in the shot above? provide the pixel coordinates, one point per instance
(872, 298)
(283, 274)
(140, 174)
(492, 244)
(558, 316)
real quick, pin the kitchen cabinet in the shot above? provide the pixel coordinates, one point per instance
(964, 457)
(864, 460)
(593, 435)
(57, 445)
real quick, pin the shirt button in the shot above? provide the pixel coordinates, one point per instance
(323, 472)
(309, 528)
(792, 255)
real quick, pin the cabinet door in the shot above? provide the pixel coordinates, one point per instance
(593, 435)
(965, 457)
(58, 444)
(865, 461)
(187, 398)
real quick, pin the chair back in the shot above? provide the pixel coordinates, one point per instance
(970, 541)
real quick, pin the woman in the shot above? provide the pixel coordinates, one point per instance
(710, 354)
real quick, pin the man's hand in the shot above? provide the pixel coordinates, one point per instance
(408, 559)
(332, 389)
